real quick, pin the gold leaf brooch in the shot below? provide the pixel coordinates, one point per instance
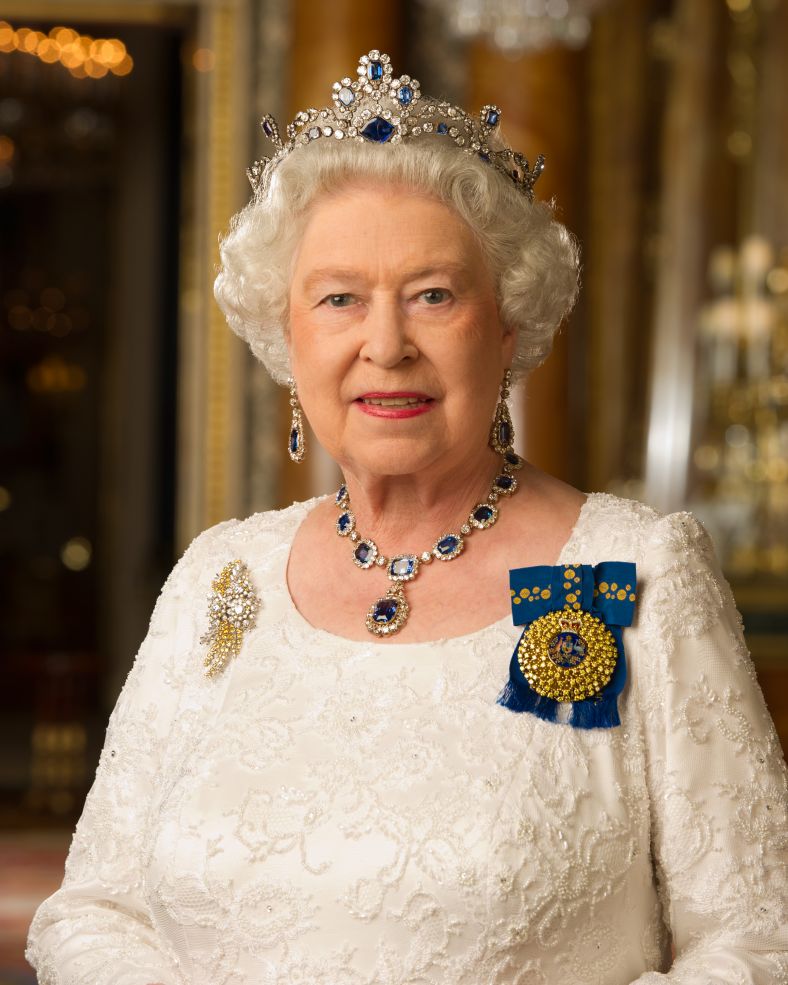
(232, 605)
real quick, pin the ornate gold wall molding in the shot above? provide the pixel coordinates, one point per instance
(213, 366)
(616, 312)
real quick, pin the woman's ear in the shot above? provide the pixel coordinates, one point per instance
(508, 343)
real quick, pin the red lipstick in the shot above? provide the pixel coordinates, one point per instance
(394, 404)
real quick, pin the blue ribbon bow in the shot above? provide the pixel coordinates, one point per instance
(606, 591)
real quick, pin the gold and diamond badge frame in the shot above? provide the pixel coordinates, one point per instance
(583, 671)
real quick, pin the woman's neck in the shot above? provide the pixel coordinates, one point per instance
(409, 512)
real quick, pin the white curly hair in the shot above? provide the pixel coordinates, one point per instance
(533, 257)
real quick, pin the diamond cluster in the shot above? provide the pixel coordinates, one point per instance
(381, 108)
(232, 605)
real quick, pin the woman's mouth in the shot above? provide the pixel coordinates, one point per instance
(394, 405)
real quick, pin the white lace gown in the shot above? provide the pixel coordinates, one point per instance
(328, 812)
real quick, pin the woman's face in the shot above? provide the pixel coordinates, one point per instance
(395, 341)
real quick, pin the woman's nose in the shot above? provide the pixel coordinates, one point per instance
(387, 340)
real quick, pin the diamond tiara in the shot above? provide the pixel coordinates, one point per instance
(378, 108)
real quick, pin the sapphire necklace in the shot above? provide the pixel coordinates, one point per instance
(389, 614)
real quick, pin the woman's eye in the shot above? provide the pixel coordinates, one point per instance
(435, 295)
(339, 300)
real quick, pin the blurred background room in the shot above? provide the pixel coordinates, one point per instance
(131, 418)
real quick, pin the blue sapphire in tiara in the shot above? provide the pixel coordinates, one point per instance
(492, 117)
(442, 128)
(374, 71)
(403, 567)
(405, 95)
(448, 547)
(268, 130)
(378, 130)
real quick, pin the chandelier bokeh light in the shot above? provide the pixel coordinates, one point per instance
(521, 25)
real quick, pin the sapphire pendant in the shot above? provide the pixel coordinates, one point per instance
(390, 613)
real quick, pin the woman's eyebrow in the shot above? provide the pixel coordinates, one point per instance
(350, 275)
(324, 274)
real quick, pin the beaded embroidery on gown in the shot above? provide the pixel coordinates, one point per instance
(331, 812)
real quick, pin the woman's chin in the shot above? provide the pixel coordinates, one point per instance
(400, 455)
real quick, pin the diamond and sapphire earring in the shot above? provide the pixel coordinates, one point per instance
(502, 430)
(295, 444)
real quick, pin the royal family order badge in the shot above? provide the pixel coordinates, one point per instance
(571, 651)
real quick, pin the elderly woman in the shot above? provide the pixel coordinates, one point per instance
(340, 758)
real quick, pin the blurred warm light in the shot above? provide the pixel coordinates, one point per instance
(76, 553)
(5, 498)
(777, 280)
(123, 67)
(707, 457)
(54, 375)
(53, 297)
(20, 317)
(96, 70)
(6, 150)
(739, 143)
(204, 59)
(7, 37)
(83, 55)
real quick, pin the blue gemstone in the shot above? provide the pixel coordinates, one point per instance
(505, 434)
(512, 458)
(492, 117)
(401, 567)
(385, 610)
(442, 128)
(343, 523)
(448, 545)
(268, 130)
(484, 157)
(294, 440)
(405, 95)
(378, 130)
(483, 514)
(362, 552)
(374, 71)
(504, 482)
(341, 493)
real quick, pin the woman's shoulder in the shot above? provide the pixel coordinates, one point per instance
(252, 540)
(630, 530)
(258, 531)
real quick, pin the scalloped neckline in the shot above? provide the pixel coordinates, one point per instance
(501, 624)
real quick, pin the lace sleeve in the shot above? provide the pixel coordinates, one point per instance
(715, 771)
(96, 928)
